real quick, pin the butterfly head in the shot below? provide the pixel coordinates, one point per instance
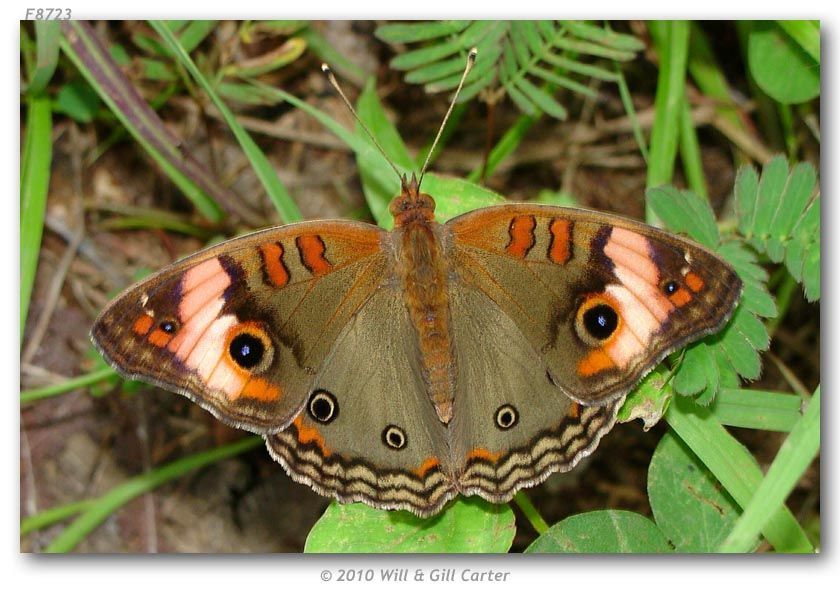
(412, 205)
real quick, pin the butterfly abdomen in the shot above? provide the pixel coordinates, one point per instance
(422, 268)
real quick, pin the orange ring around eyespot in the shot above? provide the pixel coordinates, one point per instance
(591, 301)
(256, 330)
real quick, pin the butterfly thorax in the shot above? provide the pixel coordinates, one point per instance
(422, 266)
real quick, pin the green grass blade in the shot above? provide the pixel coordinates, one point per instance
(734, 467)
(690, 153)
(671, 39)
(757, 409)
(53, 515)
(66, 386)
(48, 35)
(194, 33)
(34, 185)
(95, 63)
(795, 455)
(283, 202)
(630, 109)
(118, 496)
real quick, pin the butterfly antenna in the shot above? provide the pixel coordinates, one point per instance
(334, 82)
(470, 62)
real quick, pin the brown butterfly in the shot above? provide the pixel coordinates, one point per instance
(401, 368)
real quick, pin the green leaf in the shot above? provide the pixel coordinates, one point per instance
(418, 32)
(684, 212)
(780, 66)
(603, 532)
(687, 502)
(78, 101)
(806, 34)
(649, 400)
(698, 372)
(524, 55)
(770, 188)
(789, 209)
(466, 525)
(755, 297)
(542, 99)
(779, 215)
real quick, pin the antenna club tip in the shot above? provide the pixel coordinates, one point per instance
(326, 68)
(473, 53)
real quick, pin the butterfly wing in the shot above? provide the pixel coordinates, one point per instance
(241, 328)
(512, 425)
(369, 432)
(600, 299)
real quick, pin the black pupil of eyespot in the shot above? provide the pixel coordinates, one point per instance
(600, 321)
(321, 408)
(168, 326)
(395, 438)
(247, 350)
(506, 417)
(671, 287)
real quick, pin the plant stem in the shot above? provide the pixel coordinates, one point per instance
(531, 513)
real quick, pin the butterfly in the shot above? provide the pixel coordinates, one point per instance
(402, 368)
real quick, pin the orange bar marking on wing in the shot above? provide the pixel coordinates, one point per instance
(272, 256)
(594, 362)
(428, 464)
(680, 298)
(559, 251)
(521, 236)
(694, 282)
(312, 248)
(159, 338)
(484, 454)
(574, 410)
(143, 324)
(306, 435)
(260, 389)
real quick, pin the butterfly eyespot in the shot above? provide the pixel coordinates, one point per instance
(323, 407)
(671, 287)
(247, 350)
(599, 320)
(168, 326)
(250, 348)
(394, 437)
(506, 417)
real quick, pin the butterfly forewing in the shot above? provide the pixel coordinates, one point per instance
(242, 327)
